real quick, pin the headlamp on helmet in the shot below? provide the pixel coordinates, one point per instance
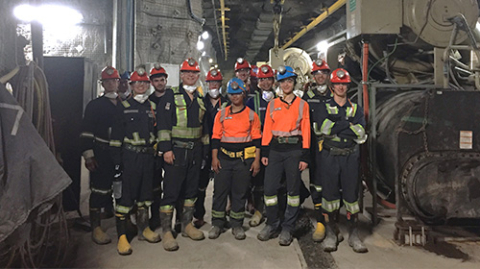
(264, 69)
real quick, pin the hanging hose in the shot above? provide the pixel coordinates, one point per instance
(45, 233)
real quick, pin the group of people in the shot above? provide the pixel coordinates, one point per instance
(155, 154)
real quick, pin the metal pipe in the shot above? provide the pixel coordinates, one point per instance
(222, 18)
(337, 5)
(365, 78)
(195, 17)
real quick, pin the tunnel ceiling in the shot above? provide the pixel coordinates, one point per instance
(250, 26)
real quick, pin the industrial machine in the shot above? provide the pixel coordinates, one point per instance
(419, 61)
(417, 67)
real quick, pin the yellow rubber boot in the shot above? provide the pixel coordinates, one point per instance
(150, 236)
(169, 242)
(123, 247)
(100, 237)
(193, 232)
(256, 219)
(319, 233)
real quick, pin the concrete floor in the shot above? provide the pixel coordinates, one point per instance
(226, 252)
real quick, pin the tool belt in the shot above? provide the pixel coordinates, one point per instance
(247, 153)
(139, 149)
(288, 139)
(340, 151)
(184, 145)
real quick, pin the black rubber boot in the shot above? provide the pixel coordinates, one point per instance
(154, 222)
(331, 241)
(353, 237)
(319, 232)
(123, 246)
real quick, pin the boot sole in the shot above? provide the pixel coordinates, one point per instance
(365, 250)
(125, 253)
(285, 244)
(171, 249)
(272, 236)
(150, 241)
(101, 243)
(196, 239)
(330, 249)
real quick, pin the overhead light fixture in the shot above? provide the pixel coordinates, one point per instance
(200, 45)
(48, 15)
(204, 53)
(323, 46)
(205, 35)
(59, 22)
(210, 60)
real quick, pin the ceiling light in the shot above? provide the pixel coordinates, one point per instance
(205, 35)
(323, 46)
(200, 45)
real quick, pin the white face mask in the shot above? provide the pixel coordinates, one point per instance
(322, 89)
(141, 98)
(298, 93)
(190, 89)
(214, 93)
(267, 95)
(111, 95)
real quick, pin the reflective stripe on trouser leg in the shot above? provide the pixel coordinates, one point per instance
(330, 206)
(271, 200)
(353, 208)
(221, 190)
(273, 176)
(240, 186)
(293, 181)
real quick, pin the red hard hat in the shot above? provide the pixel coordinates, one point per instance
(241, 64)
(214, 75)
(109, 72)
(254, 71)
(157, 71)
(340, 75)
(190, 65)
(265, 71)
(320, 65)
(139, 75)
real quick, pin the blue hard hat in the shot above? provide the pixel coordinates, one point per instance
(284, 72)
(125, 75)
(236, 86)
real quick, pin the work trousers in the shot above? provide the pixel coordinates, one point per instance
(233, 180)
(278, 163)
(205, 176)
(339, 172)
(101, 179)
(182, 177)
(137, 180)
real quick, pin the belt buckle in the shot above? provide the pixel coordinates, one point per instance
(190, 145)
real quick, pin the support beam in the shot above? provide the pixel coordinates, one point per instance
(337, 5)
